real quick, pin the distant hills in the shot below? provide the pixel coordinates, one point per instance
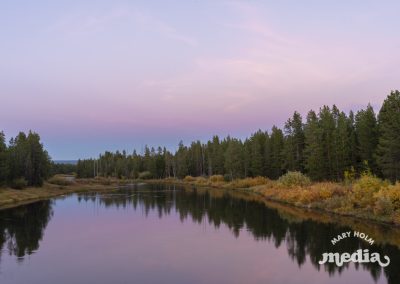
(71, 162)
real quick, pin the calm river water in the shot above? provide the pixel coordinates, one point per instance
(166, 234)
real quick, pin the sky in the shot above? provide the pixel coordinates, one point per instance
(91, 76)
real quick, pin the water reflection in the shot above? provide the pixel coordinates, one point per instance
(305, 238)
(22, 228)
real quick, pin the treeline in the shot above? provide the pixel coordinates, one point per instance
(328, 145)
(62, 168)
(23, 162)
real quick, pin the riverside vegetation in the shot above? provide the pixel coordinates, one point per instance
(367, 197)
(346, 164)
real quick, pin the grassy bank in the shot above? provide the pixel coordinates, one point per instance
(367, 197)
(55, 187)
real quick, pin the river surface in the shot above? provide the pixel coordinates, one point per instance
(166, 234)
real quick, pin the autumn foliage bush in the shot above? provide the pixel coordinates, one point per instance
(217, 178)
(189, 179)
(365, 188)
(292, 179)
(249, 182)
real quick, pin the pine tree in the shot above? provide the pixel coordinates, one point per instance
(257, 153)
(294, 143)
(327, 127)
(3, 159)
(367, 136)
(274, 153)
(354, 155)
(247, 149)
(234, 159)
(342, 154)
(313, 152)
(37, 161)
(388, 150)
(181, 161)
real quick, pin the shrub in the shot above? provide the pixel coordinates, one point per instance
(335, 202)
(217, 178)
(249, 182)
(365, 188)
(189, 179)
(292, 179)
(201, 181)
(307, 196)
(396, 217)
(59, 180)
(393, 193)
(145, 175)
(383, 206)
(19, 183)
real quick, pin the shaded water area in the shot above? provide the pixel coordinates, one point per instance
(168, 234)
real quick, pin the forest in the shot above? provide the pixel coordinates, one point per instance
(327, 145)
(24, 161)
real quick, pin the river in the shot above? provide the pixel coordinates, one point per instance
(169, 234)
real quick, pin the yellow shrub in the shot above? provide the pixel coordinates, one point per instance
(383, 205)
(365, 188)
(325, 193)
(249, 182)
(392, 193)
(201, 181)
(217, 178)
(396, 217)
(189, 179)
(293, 179)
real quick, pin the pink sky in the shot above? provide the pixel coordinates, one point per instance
(103, 75)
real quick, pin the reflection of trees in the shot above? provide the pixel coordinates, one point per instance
(22, 228)
(302, 239)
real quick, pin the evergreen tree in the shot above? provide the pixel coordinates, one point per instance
(247, 150)
(294, 143)
(342, 154)
(313, 152)
(354, 156)
(181, 158)
(388, 150)
(366, 127)
(324, 147)
(327, 128)
(3, 159)
(234, 159)
(215, 157)
(37, 161)
(257, 153)
(274, 153)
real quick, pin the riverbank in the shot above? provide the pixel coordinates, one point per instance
(368, 197)
(14, 197)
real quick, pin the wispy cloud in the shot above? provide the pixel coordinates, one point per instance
(79, 24)
(154, 24)
(82, 24)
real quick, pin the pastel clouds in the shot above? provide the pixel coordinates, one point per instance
(159, 72)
